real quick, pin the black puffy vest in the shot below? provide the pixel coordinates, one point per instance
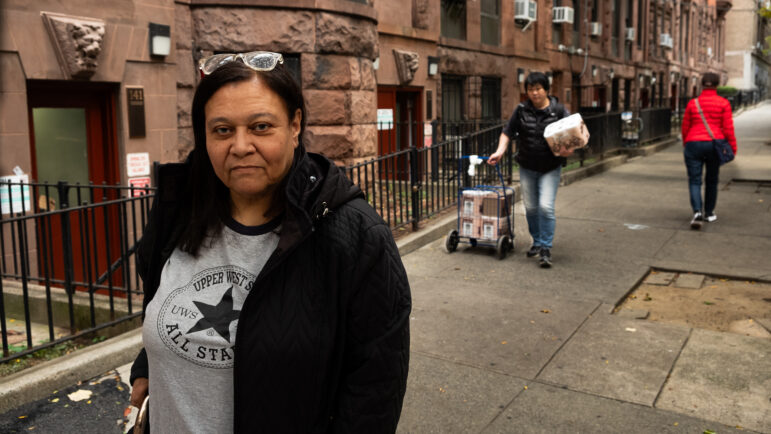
(527, 126)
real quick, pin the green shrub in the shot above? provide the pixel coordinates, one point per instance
(727, 91)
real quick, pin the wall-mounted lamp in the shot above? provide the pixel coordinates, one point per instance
(594, 71)
(520, 75)
(160, 40)
(653, 80)
(433, 65)
(376, 64)
(642, 79)
(611, 74)
(550, 76)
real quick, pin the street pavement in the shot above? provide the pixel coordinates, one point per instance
(503, 346)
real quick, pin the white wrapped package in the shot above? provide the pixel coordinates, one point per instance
(566, 135)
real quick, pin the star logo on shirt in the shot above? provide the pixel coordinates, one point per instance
(217, 317)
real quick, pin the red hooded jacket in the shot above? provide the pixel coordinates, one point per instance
(717, 111)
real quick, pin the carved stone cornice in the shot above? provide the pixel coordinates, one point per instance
(77, 42)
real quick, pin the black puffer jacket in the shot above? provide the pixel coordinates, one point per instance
(324, 346)
(526, 126)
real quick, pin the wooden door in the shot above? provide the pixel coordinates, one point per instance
(400, 126)
(73, 140)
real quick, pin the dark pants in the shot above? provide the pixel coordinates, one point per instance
(697, 155)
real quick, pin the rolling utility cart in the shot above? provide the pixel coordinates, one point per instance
(485, 215)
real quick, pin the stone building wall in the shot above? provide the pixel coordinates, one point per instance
(748, 66)
(336, 42)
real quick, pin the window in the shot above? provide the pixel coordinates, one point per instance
(453, 19)
(452, 98)
(490, 22)
(577, 18)
(556, 28)
(292, 63)
(640, 23)
(596, 11)
(491, 98)
(616, 5)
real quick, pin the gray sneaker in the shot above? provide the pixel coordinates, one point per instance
(545, 259)
(534, 250)
(697, 221)
(711, 218)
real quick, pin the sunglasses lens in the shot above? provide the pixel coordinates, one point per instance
(212, 63)
(263, 61)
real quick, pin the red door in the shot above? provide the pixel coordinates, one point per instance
(73, 140)
(400, 127)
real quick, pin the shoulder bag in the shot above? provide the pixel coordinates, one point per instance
(722, 148)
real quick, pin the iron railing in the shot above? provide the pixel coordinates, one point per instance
(412, 184)
(67, 260)
(657, 124)
(604, 135)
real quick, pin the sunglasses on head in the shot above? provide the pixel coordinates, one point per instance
(257, 60)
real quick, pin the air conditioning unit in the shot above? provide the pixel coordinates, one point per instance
(525, 10)
(630, 34)
(562, 14)
(665, 40)
(595, 29)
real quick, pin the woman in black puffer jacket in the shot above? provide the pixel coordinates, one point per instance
(275, 297)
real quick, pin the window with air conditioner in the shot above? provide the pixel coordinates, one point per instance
(595, 29)
(665, 40)
(525, 10)
(630, 34)
(562, 14)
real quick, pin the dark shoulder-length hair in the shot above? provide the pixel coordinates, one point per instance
(207, 198)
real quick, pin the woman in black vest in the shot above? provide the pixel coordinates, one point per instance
(539, 171)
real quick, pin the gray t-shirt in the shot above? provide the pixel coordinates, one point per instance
(190, 328)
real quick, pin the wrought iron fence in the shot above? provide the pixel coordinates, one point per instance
(605, 134)
(657, 123)
(415, 183)
(66, 260)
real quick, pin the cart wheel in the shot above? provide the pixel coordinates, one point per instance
(503, 246)
(451, 241)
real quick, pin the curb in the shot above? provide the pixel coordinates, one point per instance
(39, 381)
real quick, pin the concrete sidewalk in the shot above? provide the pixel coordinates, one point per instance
(505, 346)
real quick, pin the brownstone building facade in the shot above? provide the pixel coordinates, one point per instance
(747, 50)
(86, 84)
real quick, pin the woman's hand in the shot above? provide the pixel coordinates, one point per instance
(495, 157)
(503, 144)
(139, 391)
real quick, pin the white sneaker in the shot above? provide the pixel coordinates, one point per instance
(711, 218)
(697, 221)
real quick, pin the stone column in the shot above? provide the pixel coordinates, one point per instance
(336, 51)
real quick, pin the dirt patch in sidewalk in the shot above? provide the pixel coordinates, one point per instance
(701, 301)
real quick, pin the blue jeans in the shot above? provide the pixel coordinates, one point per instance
(697, 155)
(539, 190)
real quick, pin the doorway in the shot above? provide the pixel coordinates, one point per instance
(400, 127)
(73, 140)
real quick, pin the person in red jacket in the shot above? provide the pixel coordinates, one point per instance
(699, 150)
